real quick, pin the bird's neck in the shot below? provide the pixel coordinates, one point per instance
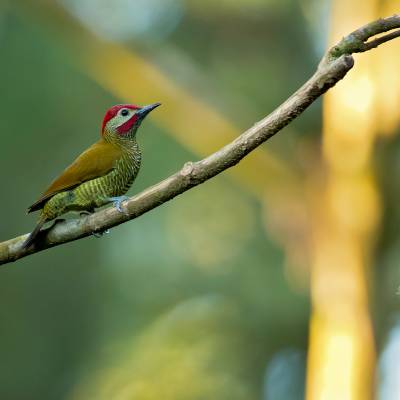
(126, 143)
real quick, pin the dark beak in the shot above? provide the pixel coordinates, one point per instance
(146, 109)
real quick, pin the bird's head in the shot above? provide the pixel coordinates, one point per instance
(124, 119)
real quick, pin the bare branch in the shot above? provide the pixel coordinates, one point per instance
(358, 41)
(332, 68)
(380, 40)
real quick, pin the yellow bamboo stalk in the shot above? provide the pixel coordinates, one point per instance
(341, 346)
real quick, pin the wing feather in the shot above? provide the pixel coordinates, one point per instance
(98, 160)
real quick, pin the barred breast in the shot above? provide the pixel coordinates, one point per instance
(115, 183)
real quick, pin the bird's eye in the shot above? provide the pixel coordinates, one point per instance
(124, 112)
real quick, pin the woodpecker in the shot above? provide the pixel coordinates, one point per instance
(101, 174)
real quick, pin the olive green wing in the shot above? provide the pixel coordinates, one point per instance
(98, 160)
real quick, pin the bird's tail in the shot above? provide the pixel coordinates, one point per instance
(32, 236)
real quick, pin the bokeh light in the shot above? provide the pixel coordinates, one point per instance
(125, 19)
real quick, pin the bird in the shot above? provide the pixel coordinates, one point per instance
(100, 175)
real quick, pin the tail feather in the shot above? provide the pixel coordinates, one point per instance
(31, 238)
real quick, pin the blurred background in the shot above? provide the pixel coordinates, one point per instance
(276, 280)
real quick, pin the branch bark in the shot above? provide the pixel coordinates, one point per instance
(333, 67)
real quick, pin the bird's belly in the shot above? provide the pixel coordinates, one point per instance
(96, 191)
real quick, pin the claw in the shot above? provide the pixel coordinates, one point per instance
(100, 234)
(117, 201)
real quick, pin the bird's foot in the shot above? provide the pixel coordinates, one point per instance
(117, 201)
(100, 234)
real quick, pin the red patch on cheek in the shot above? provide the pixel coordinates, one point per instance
(113, 111)
(127, 126)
